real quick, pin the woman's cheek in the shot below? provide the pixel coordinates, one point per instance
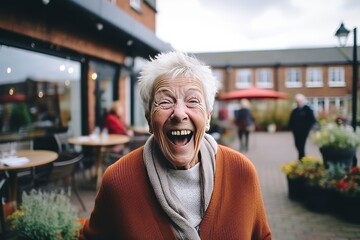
(157, 124)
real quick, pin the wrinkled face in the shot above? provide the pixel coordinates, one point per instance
(178, 119)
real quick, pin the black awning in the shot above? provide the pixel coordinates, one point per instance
(143, 41)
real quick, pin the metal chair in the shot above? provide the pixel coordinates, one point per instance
(135, 142)
(61, 172)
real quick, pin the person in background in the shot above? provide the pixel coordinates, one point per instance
(245, 123)
(181, 184)
(301, 121)
(114, 122)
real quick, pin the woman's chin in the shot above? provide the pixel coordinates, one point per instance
(181, 161)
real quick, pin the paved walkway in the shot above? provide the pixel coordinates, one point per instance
(288, 220)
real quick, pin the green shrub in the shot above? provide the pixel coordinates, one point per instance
(45, 215)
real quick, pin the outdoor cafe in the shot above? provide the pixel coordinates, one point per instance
(45, 134)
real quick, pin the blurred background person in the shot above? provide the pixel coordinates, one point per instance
(245, 123)
(114, 121)
(301, 121)
(115, 124)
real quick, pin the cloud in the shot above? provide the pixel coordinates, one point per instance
(230, 25)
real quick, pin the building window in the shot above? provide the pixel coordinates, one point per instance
(243, 78)
(264, 78)
(33, 97)
(314, 77)
(330, 106)
(336, 77)
(293, 78)
(135, 4)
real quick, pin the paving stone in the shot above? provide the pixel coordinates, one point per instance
(289, 220)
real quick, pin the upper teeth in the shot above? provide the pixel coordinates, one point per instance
(180, 132)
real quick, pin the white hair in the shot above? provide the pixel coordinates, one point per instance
(300, 98)
(245, 103)
(172, 65)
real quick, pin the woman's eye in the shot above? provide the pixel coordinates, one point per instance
(165, 104)
(193, 102)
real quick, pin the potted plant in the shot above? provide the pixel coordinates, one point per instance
(348, 189)
(337, 143)
(297, 173)
(320, 185)
(45, 215)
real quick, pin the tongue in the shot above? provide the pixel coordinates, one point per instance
(180, 141)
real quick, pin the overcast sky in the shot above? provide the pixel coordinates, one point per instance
(237, 25)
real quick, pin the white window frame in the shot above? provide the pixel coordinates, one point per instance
(314, 77)
(218, 74)
(293, 78)
(321, 105)
(135, 4)
(336, 77)
(264, 78)
(243, 78)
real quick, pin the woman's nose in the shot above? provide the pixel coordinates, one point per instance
(179, 113)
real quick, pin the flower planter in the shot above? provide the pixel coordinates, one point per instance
(296, 188)
(338, 155)
(321, 200)
(349, 208)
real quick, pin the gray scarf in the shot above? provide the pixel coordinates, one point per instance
(157, 172)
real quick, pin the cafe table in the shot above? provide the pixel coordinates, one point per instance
(23, 136)
(101, 146)
(31, 159)
(140, 130)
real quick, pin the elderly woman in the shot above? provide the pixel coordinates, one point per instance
(181, 184)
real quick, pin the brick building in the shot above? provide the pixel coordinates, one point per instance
(77, 56)
(324, 75)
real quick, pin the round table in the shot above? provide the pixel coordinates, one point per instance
(36, 158)
(140, 130)
(101, 145)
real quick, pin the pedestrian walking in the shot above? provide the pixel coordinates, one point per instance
(301, 121)
(245, 123)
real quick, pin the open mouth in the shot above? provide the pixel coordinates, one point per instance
(180, 137)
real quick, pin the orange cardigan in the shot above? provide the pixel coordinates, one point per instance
(126, 206)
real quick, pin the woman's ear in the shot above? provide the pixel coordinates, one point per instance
(207, 125)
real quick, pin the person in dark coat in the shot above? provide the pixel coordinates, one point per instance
(301, 121)
(245, 124)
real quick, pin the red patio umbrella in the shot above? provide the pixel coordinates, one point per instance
(252, 93)
(13, 98)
